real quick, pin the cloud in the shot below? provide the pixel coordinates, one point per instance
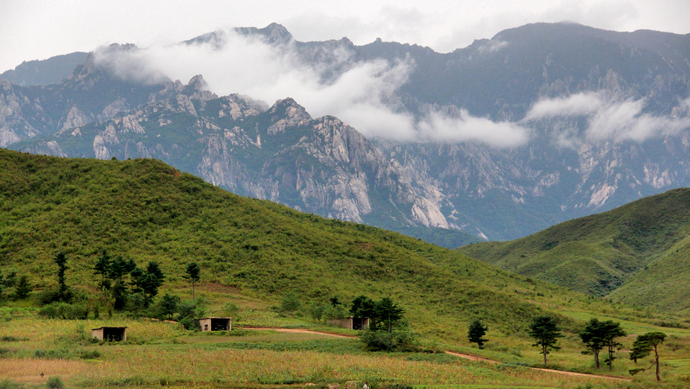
(361, 93)
(437, 126)
(609, 118)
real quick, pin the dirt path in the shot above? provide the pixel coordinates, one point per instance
(461, 355)
(568, 373)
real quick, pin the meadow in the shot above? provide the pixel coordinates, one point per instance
(163, 354)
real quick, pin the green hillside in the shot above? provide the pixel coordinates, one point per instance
(146, 210)
(253, 254)
(637, 253)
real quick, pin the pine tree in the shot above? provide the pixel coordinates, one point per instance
(545, 331)
(23, 288)
(593, 337)
(388, 312)
(611, 331)
(61, 261)
(643, 346)
(193, 273)
(476, 332)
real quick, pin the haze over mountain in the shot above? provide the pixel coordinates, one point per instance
(540, 124)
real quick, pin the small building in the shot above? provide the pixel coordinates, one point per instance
(112, 334)
(215, 324)
(351, 323)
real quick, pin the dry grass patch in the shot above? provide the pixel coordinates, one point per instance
(198, 366)
(29, 370)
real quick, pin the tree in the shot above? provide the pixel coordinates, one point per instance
(476, 332)
(593, 338)
(335, 301)
(102, 267)
(643, 346)
(611, 331)
(23, 288)
(545, 331)
(61, 261)
(193, 273)
(388, 312)
(363, 307)
(169, 305)
(119, 295)
(11, 279)
(148, 281)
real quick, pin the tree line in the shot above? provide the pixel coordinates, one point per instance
(596, 335)
(123, 286)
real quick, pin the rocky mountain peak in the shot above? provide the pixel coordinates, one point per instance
(274, 33)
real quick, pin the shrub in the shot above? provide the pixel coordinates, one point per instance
(398, 340)
(64, 311)
(290, 303)
(55, 382)
(90, 354)
(9, 384)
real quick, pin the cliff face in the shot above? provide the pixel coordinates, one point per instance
(606, 116)
(282, 154)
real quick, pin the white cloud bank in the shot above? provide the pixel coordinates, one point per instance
(610, 118)
(362, 95)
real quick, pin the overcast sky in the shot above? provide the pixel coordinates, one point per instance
(33, 29)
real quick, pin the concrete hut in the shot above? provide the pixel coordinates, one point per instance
(113, 334)
(351, 323)
(215, 324)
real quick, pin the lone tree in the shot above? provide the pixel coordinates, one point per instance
(193, 273)
(61, 261)
(476, 332)
(593, 338)
(545, 331)
(643, 346)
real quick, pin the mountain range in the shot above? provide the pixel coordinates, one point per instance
(538, 125)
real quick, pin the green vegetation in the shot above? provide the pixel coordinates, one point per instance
(634, 254)
(643, 346)
(193, 274)
(545, 331)
(123, 224)
(593, 337)
(144, 212)
(476, 332)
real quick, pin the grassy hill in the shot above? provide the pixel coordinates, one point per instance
(252, 254)
(146, 210)
(636, 253)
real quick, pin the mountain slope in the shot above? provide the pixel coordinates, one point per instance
(635, 253)
(49, 71)
(146, 210)
(321, 165)
(613, 127)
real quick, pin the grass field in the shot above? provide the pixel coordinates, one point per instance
(162, 354)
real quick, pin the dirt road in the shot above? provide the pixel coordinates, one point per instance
(461, 355)
(568, 373)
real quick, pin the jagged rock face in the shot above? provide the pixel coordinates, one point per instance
(318, 165)
(326, 167)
